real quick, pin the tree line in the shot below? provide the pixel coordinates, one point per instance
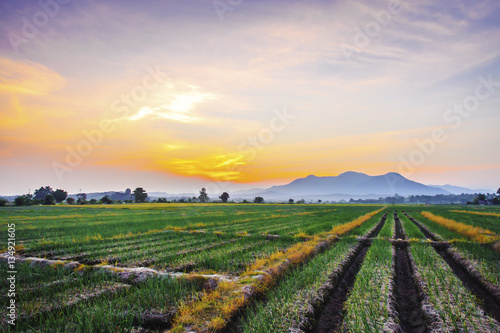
(45, 195)
(462, 199)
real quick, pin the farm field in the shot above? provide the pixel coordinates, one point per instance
(252, 268)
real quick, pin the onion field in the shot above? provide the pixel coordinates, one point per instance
(249, 268)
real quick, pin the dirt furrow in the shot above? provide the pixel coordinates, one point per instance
(330, 319)
(486, 299)
(488, 296)
(427, 233)
(400, 234)
(332, 315)
(408, 302)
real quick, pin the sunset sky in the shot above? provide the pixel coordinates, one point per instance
(176, 95)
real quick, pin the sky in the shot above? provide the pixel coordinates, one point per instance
(173, 96)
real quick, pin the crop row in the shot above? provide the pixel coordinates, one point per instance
(86, 297)
(92, 300)
(282, 224)
(482, 257)
(485, 218)
(453, 303)
(293, 271)
(293, 303)
(476, 234)
(215, 309)
(201, 250)
(66, 225)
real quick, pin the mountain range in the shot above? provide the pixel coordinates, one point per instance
(351, 184)
(345, 186)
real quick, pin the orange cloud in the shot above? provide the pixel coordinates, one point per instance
(27, 78)
(20, 81)
(218, 162)
(225, 167)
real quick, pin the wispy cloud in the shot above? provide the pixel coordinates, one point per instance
(27, 78)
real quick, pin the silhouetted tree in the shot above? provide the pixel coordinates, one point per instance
(81, 198)
(291, 201)
(49, 200)
(479, 198)
(42, 192)
(140, 194)
(92, 201)
(3, 202)
(258, 200)
(203, 195)
(224, 196)
(106, 200)
(60, 195)
(23, 200)
(70, 201)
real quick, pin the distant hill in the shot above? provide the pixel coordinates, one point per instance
(459, 190)
(113, 195)
(344, 186)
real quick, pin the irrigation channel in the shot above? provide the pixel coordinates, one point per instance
(333, 310)
(487, 299)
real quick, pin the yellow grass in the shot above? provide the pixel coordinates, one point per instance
(343, 228)
(477, 234)
(176, 229)
(95, 237)
(302, 235)
(213, 311)
(57, 264)
(477, 213)
(80, 268)
(19, 248)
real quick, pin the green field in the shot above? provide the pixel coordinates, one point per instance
(239, 267)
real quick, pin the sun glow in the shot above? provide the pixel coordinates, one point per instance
(227, 167)
(174, 102)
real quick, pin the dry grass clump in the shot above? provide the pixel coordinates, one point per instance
(477, 234)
